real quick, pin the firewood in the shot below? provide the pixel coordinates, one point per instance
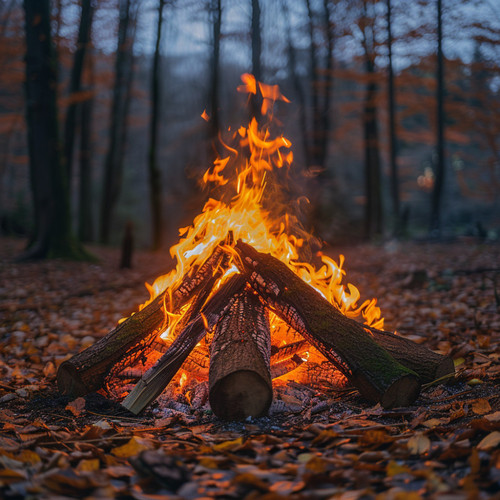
(157, 378)
(428, 365)
(86, 371)
(285, 366)
(239, 378)
(344, 342)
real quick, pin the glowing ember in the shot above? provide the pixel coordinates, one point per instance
(243, 211)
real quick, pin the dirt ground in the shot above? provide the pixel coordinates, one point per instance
(317, 444)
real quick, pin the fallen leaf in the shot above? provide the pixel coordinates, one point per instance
(490, 441)
(76, 407)
(419, 444)
(229, 445)
(132, 447)
(481, 406)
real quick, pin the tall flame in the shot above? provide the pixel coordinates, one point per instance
(244, 176)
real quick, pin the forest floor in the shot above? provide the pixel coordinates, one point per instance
(318, 444)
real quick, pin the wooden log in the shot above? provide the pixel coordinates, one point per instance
(86, 371)
(428, 365)
(239, 377)
(157, 378)
(344, 342)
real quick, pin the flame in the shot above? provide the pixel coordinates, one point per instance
(243, 212)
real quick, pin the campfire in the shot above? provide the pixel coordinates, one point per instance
(249, 303)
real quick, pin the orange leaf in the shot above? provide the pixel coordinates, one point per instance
(76, 407)
(481, 406)
(132, 448)
(419, 444)
(490, 441)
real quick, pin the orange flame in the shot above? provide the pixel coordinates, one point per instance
(245, 173)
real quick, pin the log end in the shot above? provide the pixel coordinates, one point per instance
(403, 392)
(69, 381)
(445, 368)
(241, 394)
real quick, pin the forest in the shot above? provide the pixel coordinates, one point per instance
(308, 191)
(393, 115)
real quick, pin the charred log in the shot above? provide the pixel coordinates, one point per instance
(239, 377)
(157, 378)
(344, 342)
(86, 371)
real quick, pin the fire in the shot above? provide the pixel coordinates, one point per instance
(244, 175)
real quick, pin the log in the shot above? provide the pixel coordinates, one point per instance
(239, 378)
(157, 378)
(86, 371)
(344, 342)
(428, 365)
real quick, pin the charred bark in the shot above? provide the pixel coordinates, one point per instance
(344, 342)
(86, 371)
(239, 376)
(157, 378)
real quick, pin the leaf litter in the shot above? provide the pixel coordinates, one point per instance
(313, 444)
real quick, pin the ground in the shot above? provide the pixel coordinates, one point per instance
(327, 445)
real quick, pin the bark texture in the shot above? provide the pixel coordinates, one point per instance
(239, 376)
(86, 371)
(369, 367)
(157, 378)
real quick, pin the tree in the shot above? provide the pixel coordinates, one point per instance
(84, 31)
(256, 55)
(373, 188)
(154, 171)
(113, 167)
(49, 183)
(392, 129)
(437, 193)
(215, 9)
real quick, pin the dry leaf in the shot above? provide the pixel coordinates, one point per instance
(132, 448)
(481, 406)
(490, 441)
(76, 407)
(419, 444)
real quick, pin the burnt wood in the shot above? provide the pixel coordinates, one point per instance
(239, 377)
(86, 371)
(344, 342)
(157, 378)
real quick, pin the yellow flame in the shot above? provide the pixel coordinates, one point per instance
(245, 174)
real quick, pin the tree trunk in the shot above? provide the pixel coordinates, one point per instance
(85, 226)
(154, 172)
(437, 193)
(75, 84)
(373, 186)
(344, 342)
(391, 98)
(49, 183)
(239, 377)
(86, 371)
(216, 15)
(114, 157)
(256, 54)
(157, 378)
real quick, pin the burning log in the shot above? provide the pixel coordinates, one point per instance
(239, 376)
(345, 342)
(156, 379)
(86, 371)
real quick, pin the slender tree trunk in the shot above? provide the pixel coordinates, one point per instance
(216, 14)
(113, 167)
(373, 184)
(299, 90)
(154, 171)
(392, 130)
(49, 183)
(256, 53)
(75, 84)
(85, 226)
(437, 193)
